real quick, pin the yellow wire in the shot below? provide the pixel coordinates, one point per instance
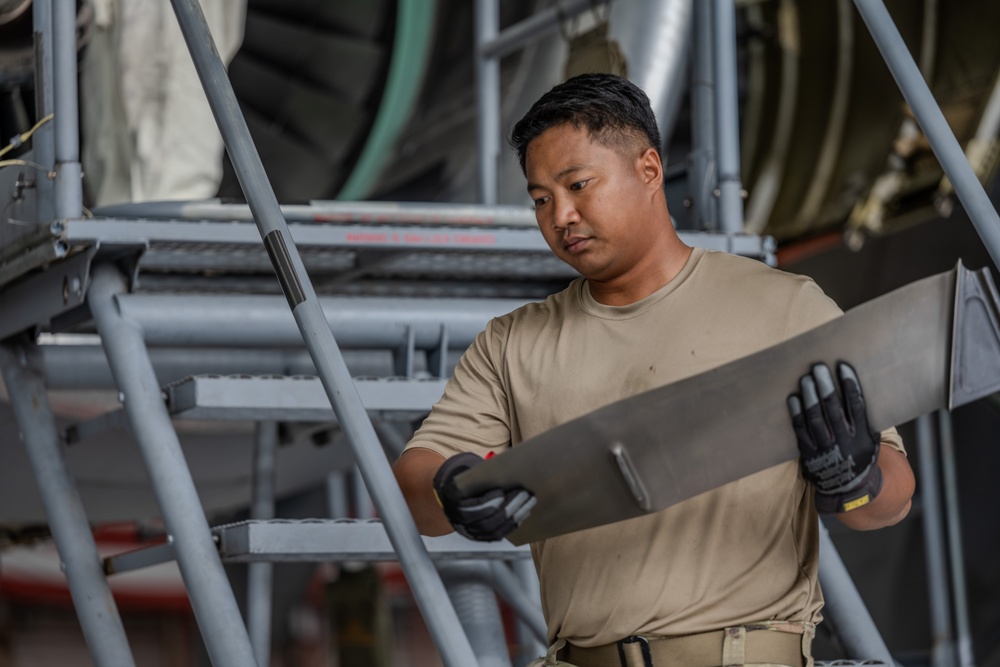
(25, 136)
(23, 163)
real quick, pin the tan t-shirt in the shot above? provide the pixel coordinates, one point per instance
(745, 552)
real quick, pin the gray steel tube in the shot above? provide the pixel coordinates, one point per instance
(844, 608)
(410, 213)
(950, 478)
(942, 639)
(43, 141)
(69, 184)
(488, 101)
(264, 321)
(212, 598)
(95, 607)
(512, 591)
(525, 572)
(701, 161)
(928, 114)
(428, 590)
(86, 366)
(536, 26)
(727, 117)
(260, 575)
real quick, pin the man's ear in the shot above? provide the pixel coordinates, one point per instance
(650, 168)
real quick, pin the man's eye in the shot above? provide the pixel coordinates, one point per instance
(579, 185)
(540, 201)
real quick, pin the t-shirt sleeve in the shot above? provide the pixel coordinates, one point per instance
(473, 414)
(811, 308)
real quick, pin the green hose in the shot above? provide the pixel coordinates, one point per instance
(410, 52)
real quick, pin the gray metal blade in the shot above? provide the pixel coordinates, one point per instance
(650, 451)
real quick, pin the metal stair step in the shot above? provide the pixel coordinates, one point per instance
(313, 541)
(291, 398)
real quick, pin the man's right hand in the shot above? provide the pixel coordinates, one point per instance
(486, 517)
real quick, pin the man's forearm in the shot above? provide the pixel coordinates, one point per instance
(415, 471)
(893, 502)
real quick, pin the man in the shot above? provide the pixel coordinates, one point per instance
(728, 577)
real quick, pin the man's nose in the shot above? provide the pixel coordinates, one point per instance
(565, 213)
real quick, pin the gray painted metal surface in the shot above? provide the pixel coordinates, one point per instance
(541, 23)
(95, 606)
(43, 141)
(212, 599)
(624, 464)
(317, 541)
(141, 558)
(702, 164)
(260, 576)
(942, 632)
(84, 366)
(69, 173)
(727, 137)
(956, 557)
(324, 211)
(487, 25)
(526, 574)
(844, 608)
(371, 236)
(291, 399)
(423, 579)
(342, 540)
(932, 121)
(139, 232)
(264, 321)
(45, 295)
(975, 366)
(517, 595)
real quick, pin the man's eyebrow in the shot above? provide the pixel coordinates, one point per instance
(562, 174)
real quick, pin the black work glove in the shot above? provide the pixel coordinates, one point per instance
(839, 452)
(487, 517)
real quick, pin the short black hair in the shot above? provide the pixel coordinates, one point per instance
(614, 110)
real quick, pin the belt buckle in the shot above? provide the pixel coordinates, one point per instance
(647, 656)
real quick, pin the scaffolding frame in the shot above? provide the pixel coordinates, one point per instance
(95, 281)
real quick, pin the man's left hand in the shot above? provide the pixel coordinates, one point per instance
(839, 452)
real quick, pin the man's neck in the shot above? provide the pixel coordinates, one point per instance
(643, 279)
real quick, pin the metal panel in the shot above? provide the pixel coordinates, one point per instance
(900, 344)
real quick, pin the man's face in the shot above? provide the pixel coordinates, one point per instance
(591, 202)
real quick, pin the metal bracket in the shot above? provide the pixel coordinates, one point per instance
(116, 420)
(975, 360)
(40, 298)
(403, 356)
(437, 359)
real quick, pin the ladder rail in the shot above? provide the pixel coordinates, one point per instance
(428, 589)
(211, 595)
(95, 606)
